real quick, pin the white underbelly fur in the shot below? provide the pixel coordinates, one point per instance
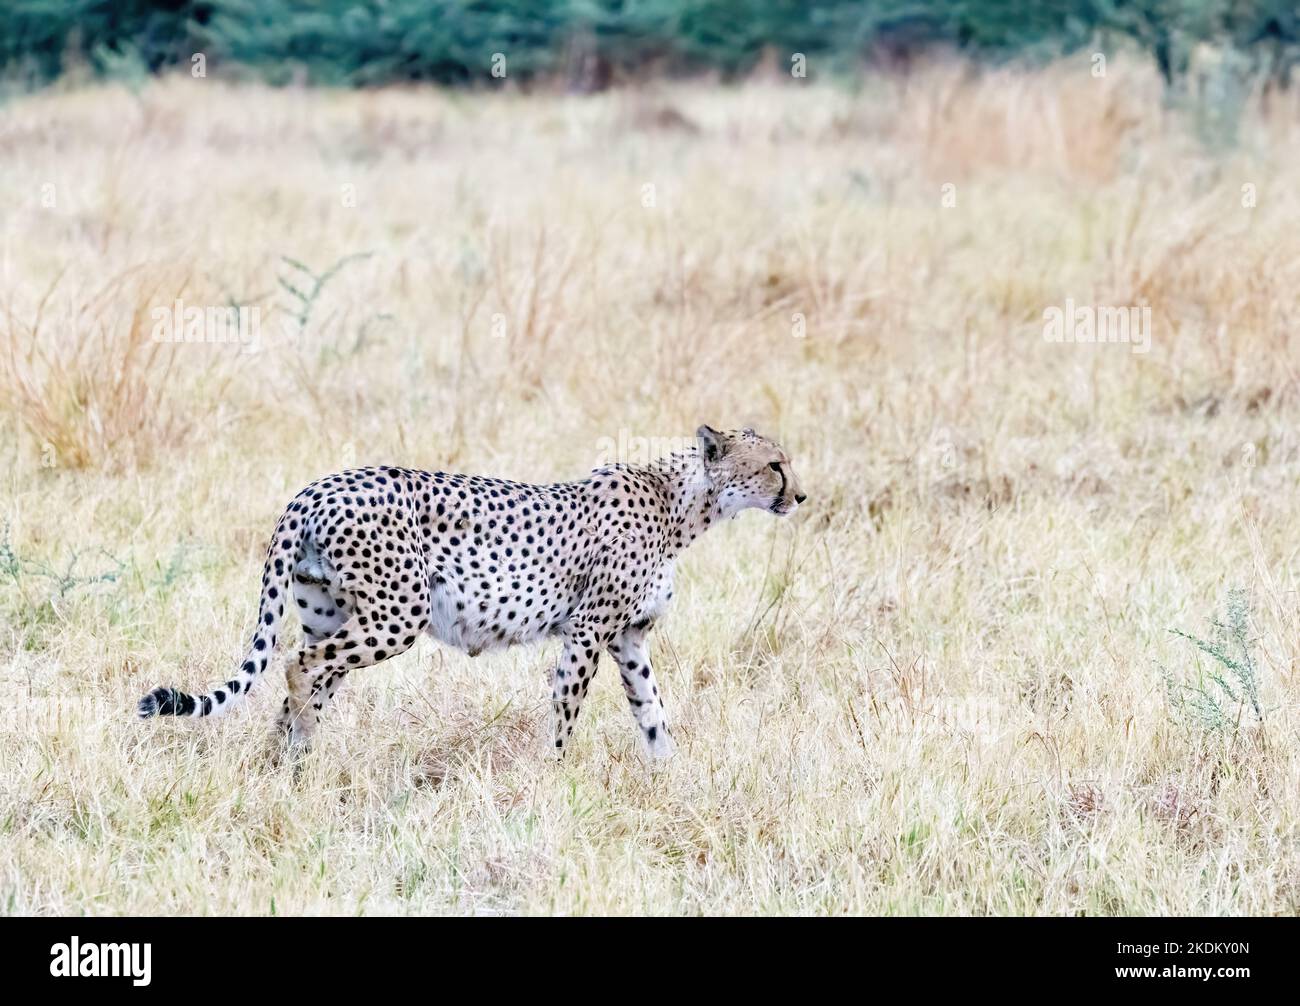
(459, 629)
(657, 603)
(446, 624)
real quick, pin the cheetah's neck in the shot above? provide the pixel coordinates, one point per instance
(692, 497)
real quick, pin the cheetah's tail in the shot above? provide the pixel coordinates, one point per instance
(280, 558)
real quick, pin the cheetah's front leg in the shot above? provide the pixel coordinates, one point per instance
(570, 681)
(631, 651)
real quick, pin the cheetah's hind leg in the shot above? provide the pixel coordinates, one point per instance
(323, 607)
(363, 640)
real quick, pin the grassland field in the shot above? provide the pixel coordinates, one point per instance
(943, 687)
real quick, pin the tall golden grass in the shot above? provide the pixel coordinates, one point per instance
(939, 689)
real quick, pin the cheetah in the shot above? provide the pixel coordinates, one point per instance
(371, 558)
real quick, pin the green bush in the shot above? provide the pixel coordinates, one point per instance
(364, 42)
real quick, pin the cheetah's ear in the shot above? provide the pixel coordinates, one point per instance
(712, 443)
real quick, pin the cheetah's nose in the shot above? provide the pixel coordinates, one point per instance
(800, 497)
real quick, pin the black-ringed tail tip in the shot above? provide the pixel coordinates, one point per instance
(369, 560)
(165, 702)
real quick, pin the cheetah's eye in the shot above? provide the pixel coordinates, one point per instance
(775, 466)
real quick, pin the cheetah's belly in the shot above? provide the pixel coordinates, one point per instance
(450, 626)
(657, 597)
(468, 626)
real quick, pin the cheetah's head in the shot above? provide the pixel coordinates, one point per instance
(748, 470)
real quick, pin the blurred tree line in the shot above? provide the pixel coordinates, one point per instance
(588, 43)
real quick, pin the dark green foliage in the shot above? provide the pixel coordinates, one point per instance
(38, 37)
(364, 42)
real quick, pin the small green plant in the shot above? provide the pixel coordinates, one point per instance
(313, 282)
(1220, 694)
(17, 568)
(27, 572)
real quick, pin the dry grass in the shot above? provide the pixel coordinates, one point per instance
(936, 690)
